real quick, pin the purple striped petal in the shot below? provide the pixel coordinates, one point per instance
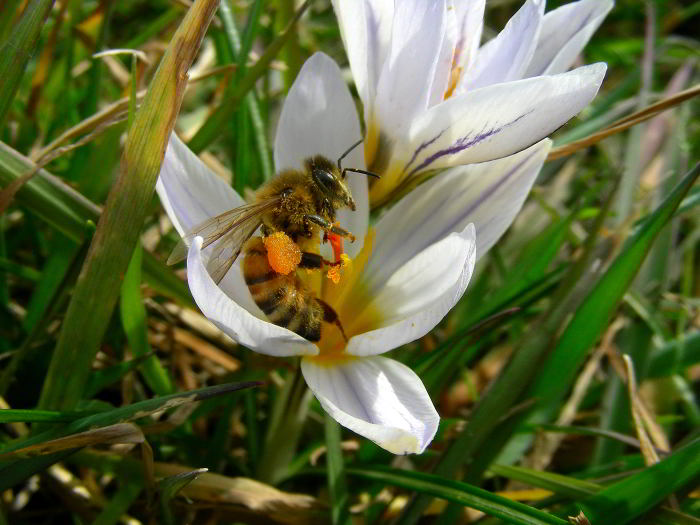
(496, 121)
(489, 194)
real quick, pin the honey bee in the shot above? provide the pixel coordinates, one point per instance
(301, 204)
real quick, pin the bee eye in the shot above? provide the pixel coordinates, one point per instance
(323, 179)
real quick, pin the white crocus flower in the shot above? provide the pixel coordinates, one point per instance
(434, 99)
(408, 270)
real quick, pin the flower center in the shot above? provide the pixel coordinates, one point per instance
(351, 301)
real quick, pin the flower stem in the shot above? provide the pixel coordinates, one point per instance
(283, 433)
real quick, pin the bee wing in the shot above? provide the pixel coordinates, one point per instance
(229, 247)
(215, 228)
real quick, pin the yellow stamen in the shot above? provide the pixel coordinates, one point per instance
(349, 300)
(335, 272)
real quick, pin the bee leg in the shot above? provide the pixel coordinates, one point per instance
(330, 316)
(315, 261)
(329, 226)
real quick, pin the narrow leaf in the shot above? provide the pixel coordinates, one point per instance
(133, 314)
(460, 493)
(17, 50)
(117, 232)
(624, 501)
(591, 318)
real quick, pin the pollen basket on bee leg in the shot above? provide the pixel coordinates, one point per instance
(283, 254)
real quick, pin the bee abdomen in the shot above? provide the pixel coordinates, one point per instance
(309, 326)
(284, 299)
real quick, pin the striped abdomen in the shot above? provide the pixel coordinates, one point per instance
(285, 299)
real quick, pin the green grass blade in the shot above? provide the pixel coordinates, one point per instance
(335, 471)
(575, 488)
(133, 314)
(67, 211)
(14, 472)
(8, 12)
(21, 271)
(557, 483)
(120, 502)
(63, 254)
(223, 114)
(13, 415)
(168, 489)
(117, 232)
(291, 54)
(156, 26)
(460, 493)
(240, 51)
(127, 413)
(50, 310)
(17, 471)
(592, 316)
(17, 49)
(104, 377)
(675, 355)
(624, 501)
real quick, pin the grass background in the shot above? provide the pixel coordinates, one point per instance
(539, 418)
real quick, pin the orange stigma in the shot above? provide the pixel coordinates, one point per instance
(337, 245)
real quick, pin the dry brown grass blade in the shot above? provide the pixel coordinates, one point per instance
(194, 343)
(119, 433)
(113, 113)
(655, 431)
(8, 193)
(625, 123)
(648, 451)
(264, 499)
(546, 444)
(581, 519)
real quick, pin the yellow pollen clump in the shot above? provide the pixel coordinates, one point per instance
(282, 252)
(335, 272)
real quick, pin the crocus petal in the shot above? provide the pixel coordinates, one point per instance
(190, 192)
(443, 67)
(565, 32)
(498, 120)
(365, 27)
(408, 73)
(379, 398)
(306, 129)
(234, 320)
(507, 56)
(418, 295)
(470, 24)
(318, 117)
(489, 194)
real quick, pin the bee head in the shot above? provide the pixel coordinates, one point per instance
(328, 182)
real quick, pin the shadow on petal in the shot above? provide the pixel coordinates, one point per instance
(378, 398)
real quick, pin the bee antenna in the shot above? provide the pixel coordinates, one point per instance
(340, 168)
(356, 170)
